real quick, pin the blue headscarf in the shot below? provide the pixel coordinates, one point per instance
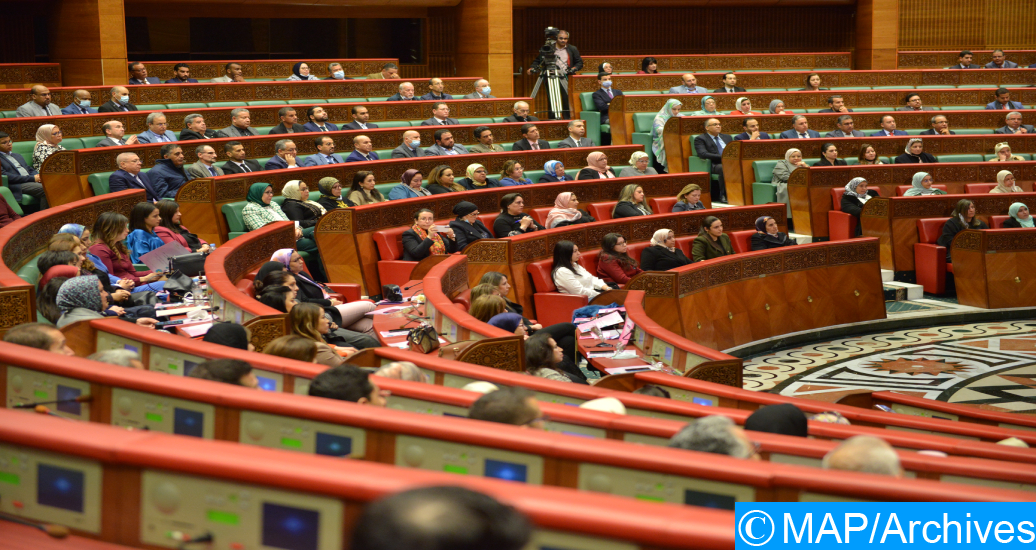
(506, 321)
(72, 229)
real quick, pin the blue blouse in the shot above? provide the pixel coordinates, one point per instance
(141, 242)
(510, 182)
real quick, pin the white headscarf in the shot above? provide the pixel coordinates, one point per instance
(850, 189)
(658, 239)
(787, 155)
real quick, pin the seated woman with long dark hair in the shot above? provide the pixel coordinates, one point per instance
(963, 217)
(308, 321)
(512, 219)
(351, 315)
(363, 190)
(170, 229)
(110, 229)
(711, 241)
(615, 263)
(546, 359)
(632, 202)
(648, 65)
(572, 278)
(144, 218)
(425, 238)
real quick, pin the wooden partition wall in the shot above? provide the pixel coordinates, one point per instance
(724, 62)
(939, 59)
(268, 68)
(24, 75)
(993, 268)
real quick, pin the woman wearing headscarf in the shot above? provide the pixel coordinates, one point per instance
(1005, 183)
(47, 291)
(262, 210)
(300, 71)
(921, 184)
(783, 419)
(743, 106)
(264, 270)
(99, 269)
(689, 199)
(48, 142)
(410, 187)
(596, 167)
(856, 195)
(669, 110)
(297, 205)
(553, 172)
(229, 334)
(914, 154)
(331, 194)
(363, 190)
(632, 202)
(1020, 217)
(467, 228)
(963, 217)
(663, 253)
(777, 108)
(767, 235)
(566, 212)
(478, 178)
(711, 241)
(83, 299)
(351, 316)
(424, 238)
(782, 173)
(638, 166)
(1003, 153)
(708, 107)
(605, 68)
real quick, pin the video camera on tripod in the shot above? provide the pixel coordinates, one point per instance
(557, 80)
(547, 56)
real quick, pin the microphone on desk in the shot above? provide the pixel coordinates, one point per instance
(418, 283)
(81, 399)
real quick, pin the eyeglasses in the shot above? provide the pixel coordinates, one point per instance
(480, 171)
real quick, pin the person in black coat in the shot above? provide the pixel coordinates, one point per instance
(424, 239)
(767, 236)
(551, 170)
(663, 254)
(297, 206)
(604, 95)
(856, 195)
(467, 228)
(829, 156)
(512, 219)
(915, 154)
(963, 217)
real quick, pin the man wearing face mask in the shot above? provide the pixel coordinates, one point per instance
(119, 102)
(481, 91)
(80, 104)
(411, 146)
(335, 72)
(604, 96)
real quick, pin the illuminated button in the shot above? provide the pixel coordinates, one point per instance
(255, 429)
(17, 504)
(236, 546)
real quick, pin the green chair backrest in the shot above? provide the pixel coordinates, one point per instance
(99, 182)
(227, 104)
(10, 114)
(151, 107)
(959, 158)
(268, 102)
(393, 124)
(586, 98)
(232, 212)
(347, 100)
(305, 101)
(91, 141)
(24, 148)
(764, 170)
(29, 272)
(9, 197)
(186, 105)
(72, 143)
(642, 122)
(475, 120)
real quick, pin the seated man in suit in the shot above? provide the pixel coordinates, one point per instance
(485, 141)
(1000, 61)
(195, 128)
(240, 124)
(751, 131)
(709, 146)
(360, 117)
(521, 113)
(363, 150)
(289, 122)
(576, 135)
(238, 163)
(440, 116)
(114, 132)
(888, 128)
(1014, 125)
(411, 147)
(835, 104)
(168, 174)
(157, 130)
(689, 86)
(729, 85)
(405, 93)
(39, 103)
(80, 104)
(138, 75)
(800, 129)
(206, 165)
(964, 61)
(21, 176)
(913, 103)
(318, 120)
(604, 95)
(940, 127)
(129, 176)
(845, 128)
(1003, 101)
(530, 139)
(181, 75)
(435, 91)
(445, 145)
(335, 72)
(481, 91)
(119, 102)
(285, 157)
(388, 70)
(234, 73)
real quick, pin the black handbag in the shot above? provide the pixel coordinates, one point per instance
(178, 285)
(423, 339)
(192, 264)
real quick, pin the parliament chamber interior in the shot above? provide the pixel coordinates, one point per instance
(759, 301)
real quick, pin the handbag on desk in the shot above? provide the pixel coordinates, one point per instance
(423, 339)
(191, 265)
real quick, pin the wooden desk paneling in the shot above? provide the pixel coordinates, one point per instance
(947, 58)
(267, 68)
(994, 268)
(691, 63)
(24, 75)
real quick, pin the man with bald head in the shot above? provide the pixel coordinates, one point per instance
(138, 72)
(435, 91)
(864, 453)
(405, 93)
(114, 135)
(39, 103)
(689, 86)
(80, 104)
(129, 176)
(119, 102)
(521, 113)
(363, 150)
(481, 91)
(411, 147)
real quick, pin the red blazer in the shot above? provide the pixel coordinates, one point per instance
(168, 235)
(121, 268)
(609, 269)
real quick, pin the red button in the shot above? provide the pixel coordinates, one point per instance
(236, 546)
(17, 504)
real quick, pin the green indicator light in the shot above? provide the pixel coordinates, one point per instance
(40, 394)
(152, 417)
(659, 487)
(455, 469)
(10, 478)
(14, 461)
(650, 498)
(293, 443)
(173, 366)
(298, 430)
(218, 516)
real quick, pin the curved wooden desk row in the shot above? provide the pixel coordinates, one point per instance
(272, 68)
(930, 408)
(938, 59)
(121, 469)
(993, 268)
(205, 92)
(725, 62)
(135, 122)
(23, 75)
(739, 157)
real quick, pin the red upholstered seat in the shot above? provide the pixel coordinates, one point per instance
(602, 210)
(662, 205)
(901, 189)
(589, 260)
(463, 299)
(391, 269)
(552, 307)
(741, 241)
(978, 188)
(635, 249)
(840, 225)
(540, 214)
(997, 222)
(929, 258)
(245, 285)
(685, 243)
(487, 219)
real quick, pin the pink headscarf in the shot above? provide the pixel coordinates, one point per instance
(283, 256)
(561, 211)
(598, 161)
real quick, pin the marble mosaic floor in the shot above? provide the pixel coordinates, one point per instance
(992, 365)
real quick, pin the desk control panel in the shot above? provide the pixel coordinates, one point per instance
(401, 403)
(51, 488)
(656, 487)
(460, 458)
(29, 386)
(690, 396)
(173, 362)
(307, 436)
(238, 516)
(147, 411)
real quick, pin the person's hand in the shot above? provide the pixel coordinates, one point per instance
(298, 233)
(239, 78)
(204, 249)
(802, 164)
(1023, 130)
(520, 331)
(346, 351)
(150, 278)
(147, 322)
(755, 135)
(536, 326)
(1002, 154)
(526, 222)
(118, 310)
(945, 131)
(333, 325)
(120, 295)
(449, 233)
(128, 284)
(37, 178)
(433, 230)
(132, 140)
(290, 159)
(335, 302)
(529, 71)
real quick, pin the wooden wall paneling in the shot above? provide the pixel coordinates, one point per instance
(88, 38)
(970, 271)
(966, 24)
(877, 34)
(487, 55)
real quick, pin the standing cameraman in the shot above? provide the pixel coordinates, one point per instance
(568, 61)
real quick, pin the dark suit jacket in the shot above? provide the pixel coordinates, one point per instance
(109, 142)
(792, 134)
(416, 249)
(433, 122)
(355, 156)
(404, 152)
(187, 134)
(957, 66)
(706, 148)
(73, 109)
(430, 97)
(601, 101)
(825, 162)
(178, 81)
(356, 126)
(765, 241)
(591, 174)
(575, 62)
(151, 79)
(1004, 129)
(121, 180)
(832, 111)
(112, 107)
(743, 136)
(523, 145)
(282, 129)
(723, 90)
(1011, 105)
(167, 177)
(881, 133)
(931, 132)
(310, 127)
(397, 97)
(911, 159)
(297, 212)
(570, 142)
(277, 163)
(467, 233)
(514, 118)
(15, 180)
(229, 167)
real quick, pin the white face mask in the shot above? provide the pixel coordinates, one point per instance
(606, 84)
(485, 90)
(124, 100)
(415, 143)
(339, 75)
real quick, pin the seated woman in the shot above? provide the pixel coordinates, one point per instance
(782, 173)
(963, 217)
(337, 336)
(689, 199)
(572, 278)
(478, 178)
(351, 316)
(308, 321)
(300, 71)
(566, 212)
(362, 190)
(331, 194)
(632, 202)
(711, 241)
(48, 142)
(743, 107)
(708, 107)
(1003, 153)
(83, 298)
(512, 219)
(596, 167)
(97, 266)
(292, 347)
(512, 174)
(1020, 217)
(553, 172)
(280, 298)
(829, 156)
(813, 83)
(1005, 183)
(545, 358)
(662, 254)
(868, 155)
(170, 230)
(615, 263)
(914, 154)
(668, 111)
(921, 185)
(144, 218)
(490, 307)
(467, 228)
(605, 68)
(425, 239)
(777, 108)
(638, 166)
(231, 335)
(262, 210)
(856, 195)
(410, 187)
(111, 229)
(767, 235)
(648, 65)
(441, 181)
(47, 290)
(297, 206)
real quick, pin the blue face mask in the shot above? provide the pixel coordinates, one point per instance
(486, 90)
(415, 144)
(339, 75)
(606, 84)
(86, 103)
(124, 100)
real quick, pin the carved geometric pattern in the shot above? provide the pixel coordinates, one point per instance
(337, 221)
(528, 250)
(487, 251)
(723, 273)
(762, 265)
(265, 330)
(256, 251)
(61, 162)
(195, 191)
(852, 254)
(972, 240)
(878, 208)
(455, 279)
(1008, 240)
(692, 281)
(499, 353)
(657, 285)
(16, 305)
(805, 259)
